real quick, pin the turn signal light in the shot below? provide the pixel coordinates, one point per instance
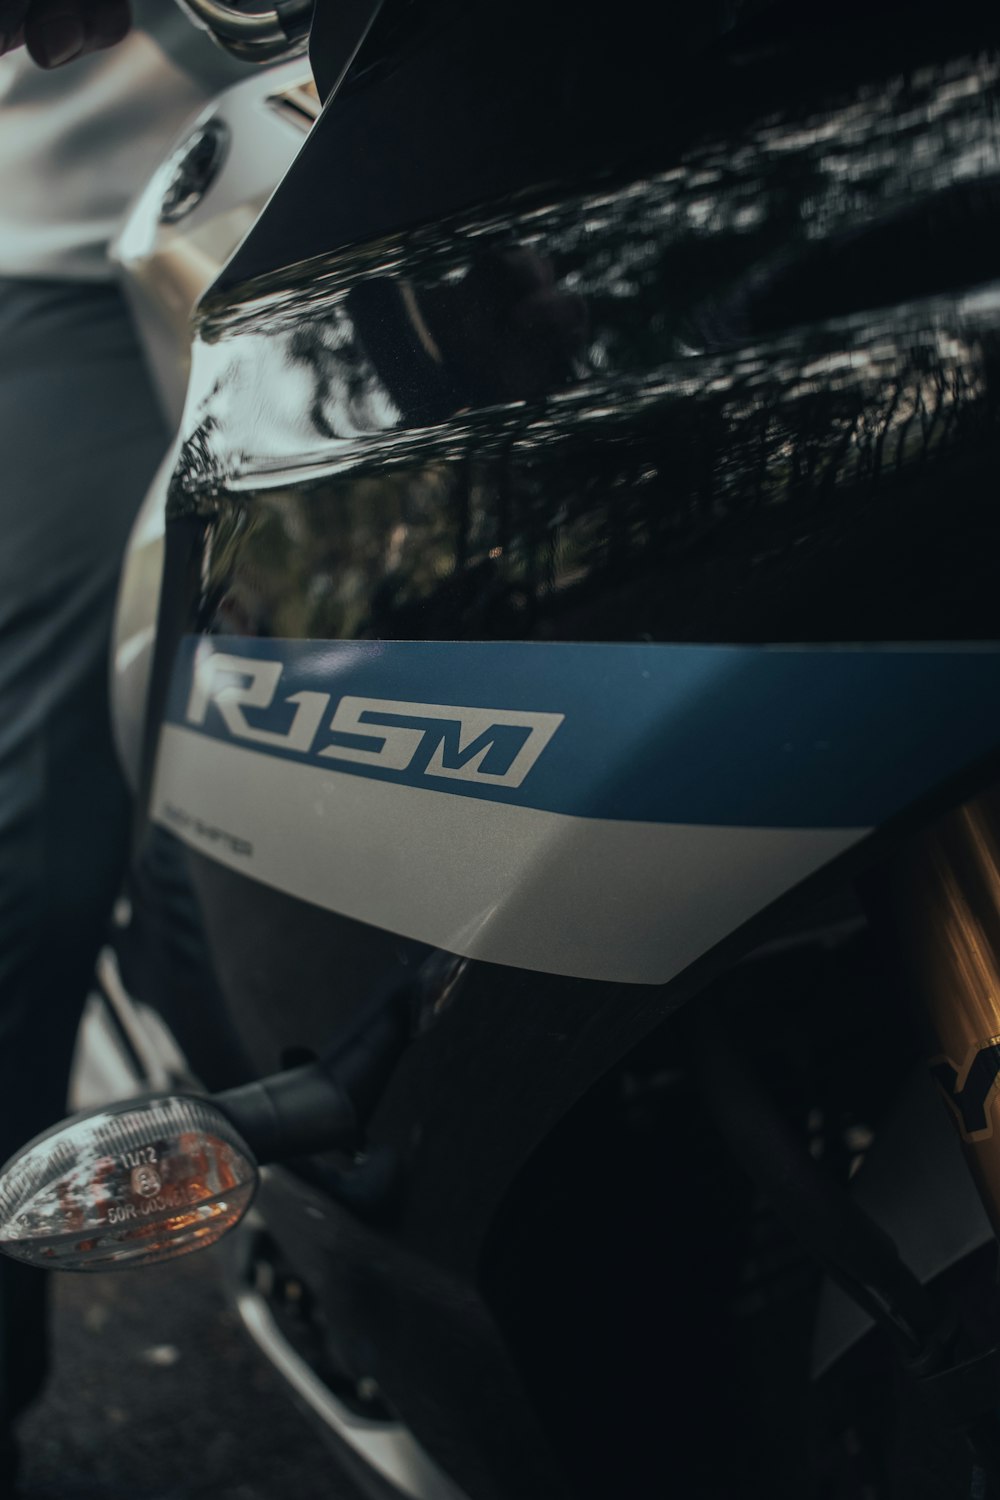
(127, 1185)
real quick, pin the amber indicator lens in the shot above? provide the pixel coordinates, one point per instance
(135, 1183)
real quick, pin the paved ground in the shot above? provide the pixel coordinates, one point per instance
(157, 1394)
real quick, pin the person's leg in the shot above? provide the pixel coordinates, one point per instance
(80, 437)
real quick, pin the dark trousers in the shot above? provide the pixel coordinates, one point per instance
(80, 438)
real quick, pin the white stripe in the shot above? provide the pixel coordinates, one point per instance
(590, 897)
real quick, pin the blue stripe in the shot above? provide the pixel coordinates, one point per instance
(748, 736)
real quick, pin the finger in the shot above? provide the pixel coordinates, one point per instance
(11, 40)
(54, 32)
(12, 24)
(58, 31)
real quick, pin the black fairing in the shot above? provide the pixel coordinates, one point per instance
(666, 330)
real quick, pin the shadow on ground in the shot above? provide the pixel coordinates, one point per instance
(157, 1394)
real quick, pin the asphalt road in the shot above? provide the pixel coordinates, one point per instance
(157, 1394)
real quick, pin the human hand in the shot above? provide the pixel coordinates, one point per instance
(57, 31)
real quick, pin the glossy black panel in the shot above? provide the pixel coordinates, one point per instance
(750, 396)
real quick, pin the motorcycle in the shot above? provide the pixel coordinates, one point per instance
(557, 666)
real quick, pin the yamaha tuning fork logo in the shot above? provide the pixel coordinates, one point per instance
(489, 746)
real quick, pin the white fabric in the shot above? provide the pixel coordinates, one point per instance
(77, 143)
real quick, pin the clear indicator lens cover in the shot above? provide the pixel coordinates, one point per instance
(134, 1183)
